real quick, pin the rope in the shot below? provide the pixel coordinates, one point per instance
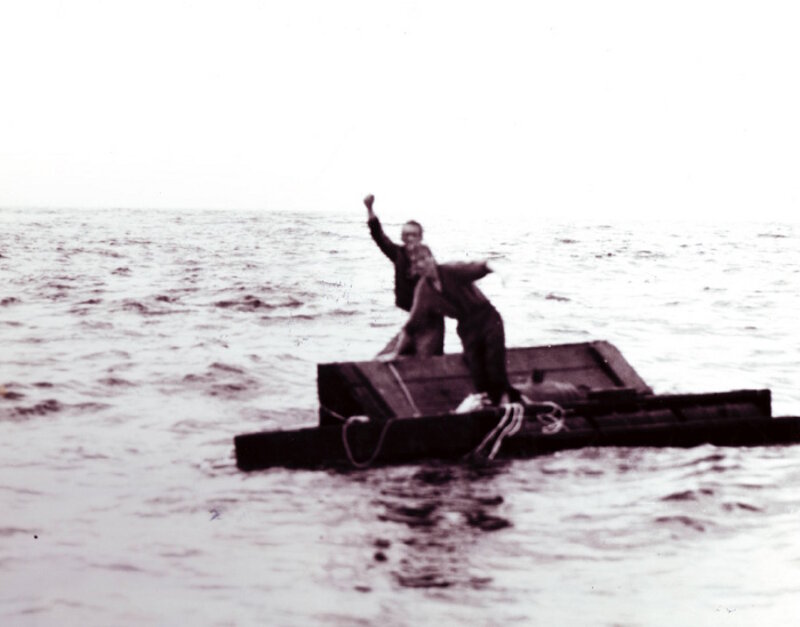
(378, 446)
(553, 421)
(517, 412)
(333, 413)
(500, 424)
(404, 388)
(362, 419)
(510, 422)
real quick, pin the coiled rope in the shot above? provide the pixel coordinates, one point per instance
(552, 421)
(511, 422)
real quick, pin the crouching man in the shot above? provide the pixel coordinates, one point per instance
(450, 290)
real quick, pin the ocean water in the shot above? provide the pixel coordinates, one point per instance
(135, 344)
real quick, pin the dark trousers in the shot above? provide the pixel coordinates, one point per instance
(484, 341)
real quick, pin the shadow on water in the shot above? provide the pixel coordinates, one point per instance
(444, 510)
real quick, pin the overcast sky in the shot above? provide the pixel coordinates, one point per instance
(574, 109)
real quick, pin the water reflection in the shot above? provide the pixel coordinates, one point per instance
(445, 509)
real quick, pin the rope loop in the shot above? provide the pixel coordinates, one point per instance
(553, 420)
(378, 446)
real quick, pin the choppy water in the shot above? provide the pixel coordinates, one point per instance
(135, 344)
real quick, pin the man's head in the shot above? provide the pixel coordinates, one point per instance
(411, 233)
(422, 262)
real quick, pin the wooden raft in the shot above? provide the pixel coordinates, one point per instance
(409, 404)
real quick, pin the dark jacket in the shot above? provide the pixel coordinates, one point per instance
(460, 298)
(404, 282)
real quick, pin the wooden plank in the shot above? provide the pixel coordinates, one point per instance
(518, 360)
(591, 378)
(335, 393)
(740, 431)
(608, 356)
(343, 388)
(404, 440)
(372, 402)
(549, 357)
(389, 387)
(435, 398)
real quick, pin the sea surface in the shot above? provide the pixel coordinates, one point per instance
(135, 344)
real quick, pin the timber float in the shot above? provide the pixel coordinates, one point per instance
(576, 395)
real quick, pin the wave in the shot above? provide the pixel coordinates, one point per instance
(682, 520)
(149, 310)
(689, 495)
(226, 368)
(223, 380)
(737, 506)
(116, 382)
(293, 317)
(42, 408)
(253, 303)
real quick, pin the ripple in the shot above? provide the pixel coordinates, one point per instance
(272, 318)
(681, 520)
(486, 522)
(422, 580)
(89, 407)
(115, 382)
(210, 381)
(42, 408)
(226, 368)
(122, 567)
(10, 395)
(6, 532)
(689, 495)
(411, 516)
(135, 305)
(731, 507)
(253, 303)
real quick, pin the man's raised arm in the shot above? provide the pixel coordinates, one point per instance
(387, 246)
(468, 271)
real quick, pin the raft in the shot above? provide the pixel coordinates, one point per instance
(577, 395)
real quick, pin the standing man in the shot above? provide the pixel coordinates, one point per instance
(428, 337)
(449, 289)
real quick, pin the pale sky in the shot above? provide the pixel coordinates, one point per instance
(568, 109)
